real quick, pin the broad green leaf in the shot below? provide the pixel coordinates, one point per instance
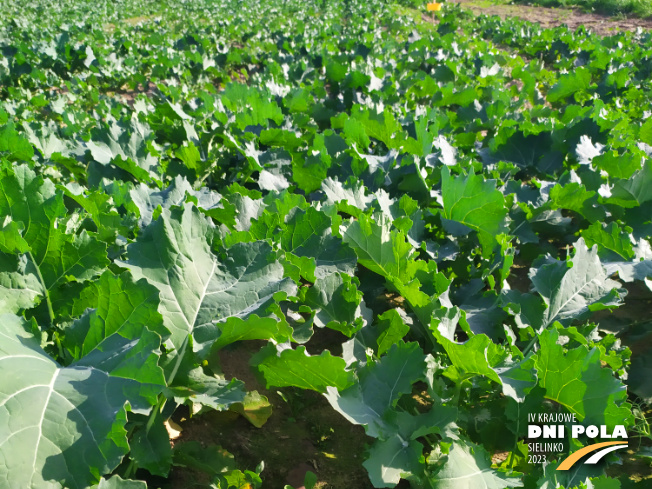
(391, 459)
(252, 328)
(405, 214)
(517, 377)
(212, 460)
(255, 408)
(608, 239)
(392, 328)
(189, 154)
(468, 466)
(635, 190)
(382, 126)
(576, 380)
(353, 201)
(57, 257)
(569, 84)
(100, 207)
(239, 210)
(571, 289)
(475, 203)
(13, 146)
(528, 309)
(295, 368)
(397, 453)
(469, 358)
(619, 165)
(11, 239)
(197, 290)
(309, 169)
(148, 200)
(215, 391)
(124, 144)
(379, 386)
(337, 302)
(117, 482)
(308, 235)
(574, 196)
(34, 202)
(121, 306)
(20, 287)
(151, 449)
(72, 257)
(65, 425)
(379, 248)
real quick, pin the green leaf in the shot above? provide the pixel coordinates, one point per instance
(13, 146)
(572, 289)
(100, 207)
(308, 235)
(475, 203)
(72, 258)
(391, 328)
(309, 170)
(121, 306)
(117, 482)
(569, 84)
(255, 408)
(124, 144)
(574, 196)
(65, 425)
(151, 449)
(212, 460)
(11, 239)
(148, 200)
(635, 190)
(295, 368)
(576, 380)
(353, 201)
(213, 391)
(619, 165)
(469, 358)
(469, 466)
(337, 302)
(518, 378)
(20, 286)
(390, 460)
(380, 248)
(379, 386)
(189, 154)
(382, 126)
(609, 239)
(32, 201)
(252, 328)
(528, 309)
(197, 290)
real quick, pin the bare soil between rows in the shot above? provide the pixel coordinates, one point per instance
(554, 17)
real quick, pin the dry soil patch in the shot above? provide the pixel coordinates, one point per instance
(553, 17)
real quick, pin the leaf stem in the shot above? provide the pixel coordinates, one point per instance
(518, 427)
(45, 289)
(131, 468)
(530, 345)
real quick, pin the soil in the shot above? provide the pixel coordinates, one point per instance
(553, 17)
(304, 433)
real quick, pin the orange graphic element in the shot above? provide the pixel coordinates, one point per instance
(433, 7)
(571, 459)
